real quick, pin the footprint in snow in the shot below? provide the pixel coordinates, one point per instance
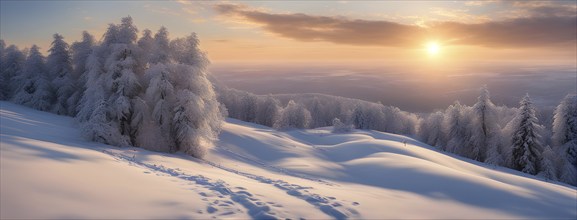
(211, 209)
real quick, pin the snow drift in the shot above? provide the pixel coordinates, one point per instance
(49, 171)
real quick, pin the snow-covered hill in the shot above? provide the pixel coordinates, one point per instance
(49, 171)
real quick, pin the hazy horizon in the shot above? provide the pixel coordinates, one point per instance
(418, 92)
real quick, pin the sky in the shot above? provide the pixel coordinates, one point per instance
(397, 47)
(320, 30)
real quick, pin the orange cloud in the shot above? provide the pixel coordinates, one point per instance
(541, 30)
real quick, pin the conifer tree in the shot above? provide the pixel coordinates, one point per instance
(526, 141)
(565, 128)
(11, 68)
(80, 52)
(34, 85)
(59, 65)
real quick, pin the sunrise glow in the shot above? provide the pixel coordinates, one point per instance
(433, 48)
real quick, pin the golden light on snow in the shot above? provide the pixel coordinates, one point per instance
(433, 48)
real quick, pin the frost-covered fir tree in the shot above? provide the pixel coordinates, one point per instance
(399, 122)
(359, 118)
(568, 173)
(368, 116)
(123, 85)
(480, 126)
(80, 52)
(146, 44)
(455, 128)
(431, 131)
(11, 66)
(485, 144)
(34, 85)
(268, 111)
(565, 128)
(185, 51)
(197, 118)
(340, 127)
(113, 68)
(99, 127)
(526, 143)
(120, 78)
(317, 113)
(548, 164)
(161, 47)
(160, 96)
(94, 92)
(294, 116)
(59, 66)
(248, 107)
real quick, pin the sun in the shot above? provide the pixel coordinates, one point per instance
(433, 48)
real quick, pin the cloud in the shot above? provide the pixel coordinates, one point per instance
(322, 28)
(517, 9)
(459, 15)
(545, 29)
(520, 32)
(479, 3)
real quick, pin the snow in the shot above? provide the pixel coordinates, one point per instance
(49, 171)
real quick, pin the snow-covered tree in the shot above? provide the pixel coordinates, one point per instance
(248, 107)
(146, 44)
(526, 143)
(59, 66)
(127, 32)
(360, 118)
(161, 47)
(113, 70)
(80, 52)
(294, 116)
(94, 89)
(368, 116)
(568, 173)
(484, 129)
(185, 51)
(123, 85)
(317, 113)
(34, 85)
(160, 96)
(100, 128)
(565, 128)
(11, 66)
(197, 118)
(548, 164)
(455, 128)
(399, 122)
(340, 127)
(268, 111)
(431, 131)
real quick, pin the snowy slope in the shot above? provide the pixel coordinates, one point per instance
(48, 171)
